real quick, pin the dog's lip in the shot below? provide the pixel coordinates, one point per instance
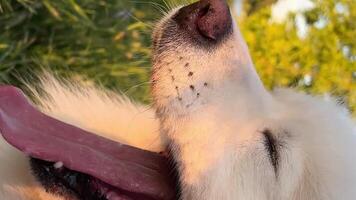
(45, 138)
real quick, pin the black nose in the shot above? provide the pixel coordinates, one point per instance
(210, 19)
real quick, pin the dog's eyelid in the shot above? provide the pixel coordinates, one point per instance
(271, 146)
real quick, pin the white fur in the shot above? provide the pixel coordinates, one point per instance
(216, 135)
(95, 109)
(215, 118)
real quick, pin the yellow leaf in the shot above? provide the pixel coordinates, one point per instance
(119, 36)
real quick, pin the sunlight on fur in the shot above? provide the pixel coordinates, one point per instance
(97, 110)
(230, 137)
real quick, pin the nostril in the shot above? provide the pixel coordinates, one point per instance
(216, 21)
(210, 19)
(201, 22)
(203, 11)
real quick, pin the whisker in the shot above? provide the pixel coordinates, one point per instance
(164, 10)
(136, 86)
(167, 4)
(145, 24)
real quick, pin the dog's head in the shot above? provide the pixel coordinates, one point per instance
(201, 59)
(197, 51)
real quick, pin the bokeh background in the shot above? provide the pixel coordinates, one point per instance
(306, 44)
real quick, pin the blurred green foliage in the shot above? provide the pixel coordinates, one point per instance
(321, 61)
(108, 41)
(102, 40)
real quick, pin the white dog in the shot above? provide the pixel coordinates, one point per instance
(231, 138)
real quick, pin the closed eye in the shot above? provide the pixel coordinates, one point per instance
(271, 146)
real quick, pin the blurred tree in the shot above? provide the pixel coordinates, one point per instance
(107, 41)
(320, 61)
(252, 6)
(102, 40)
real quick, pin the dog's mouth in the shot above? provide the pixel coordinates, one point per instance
(61, 181)
(91, 164)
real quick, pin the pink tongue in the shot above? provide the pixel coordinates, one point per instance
(45, 138)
